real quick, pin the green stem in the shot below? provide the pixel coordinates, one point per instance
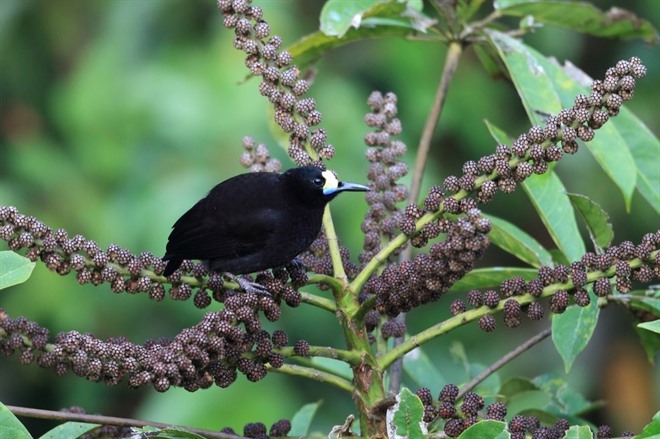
(350, 357)
(333, 246)
(314, 374)
(319, 302)
(309, 362)
(333, 283)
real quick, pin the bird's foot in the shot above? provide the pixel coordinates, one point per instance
(298, 272)
(248, 286)
(296, 264)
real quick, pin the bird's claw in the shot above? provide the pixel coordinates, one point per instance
(249, 286)
(296, 264)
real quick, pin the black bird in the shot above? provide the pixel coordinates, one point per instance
(252, 222)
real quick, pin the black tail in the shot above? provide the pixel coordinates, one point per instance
(171, 266)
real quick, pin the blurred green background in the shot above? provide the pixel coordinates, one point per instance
(117, 115)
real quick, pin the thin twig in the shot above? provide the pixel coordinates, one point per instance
(476, 26)
(454, 51)
(314, 374)
(347, 356)
(451, 62)
(107, 420)
(474, 382)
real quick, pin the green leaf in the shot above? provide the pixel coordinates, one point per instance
(573, 402)
(653, 326)
(467, 8)
(68, 430)
(311, 47)
(497, 133)
(566, 401)
(483, 278)
(173, 433)
(582, 17)
(336, 367)
(344, 22)
(572, 330)
(10, 426)
(419, 368)
(645, 149)
(544, 87)
(303, 419)
(579, 432)
(648, 302)
(548, 195)
(652, 429)
(523, 401)
(490, 60)
(338, 16)
(596, 219)
(404, 418)
(15, 269)
(551, 382)
(515, 241)
(483, 429)
(516, 385)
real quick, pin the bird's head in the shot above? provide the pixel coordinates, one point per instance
(316, 187)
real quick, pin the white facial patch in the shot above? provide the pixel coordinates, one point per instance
(331, 182)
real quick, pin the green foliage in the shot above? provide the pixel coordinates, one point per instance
(10, 426)
(584, 18)
(652, 430)
(69, 430)
(518, 243)
(596, 219)
(572, 330)
(302, 419)
(407, 416)
(494, 429)
(15, 269)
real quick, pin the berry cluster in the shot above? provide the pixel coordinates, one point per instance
(257, 157)
(458, 418)
(445, 408)
(520, 425)
(424, 279)
(402, 287)
(281, 83)
(531, 152)
(383, 153)
(210, 352)
(258, 430)
(627, 262)
(126, 272)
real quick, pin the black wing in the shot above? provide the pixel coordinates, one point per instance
(227, 223)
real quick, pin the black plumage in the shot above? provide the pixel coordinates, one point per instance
(252, 222)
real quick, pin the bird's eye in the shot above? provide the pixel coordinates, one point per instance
(318, 181)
